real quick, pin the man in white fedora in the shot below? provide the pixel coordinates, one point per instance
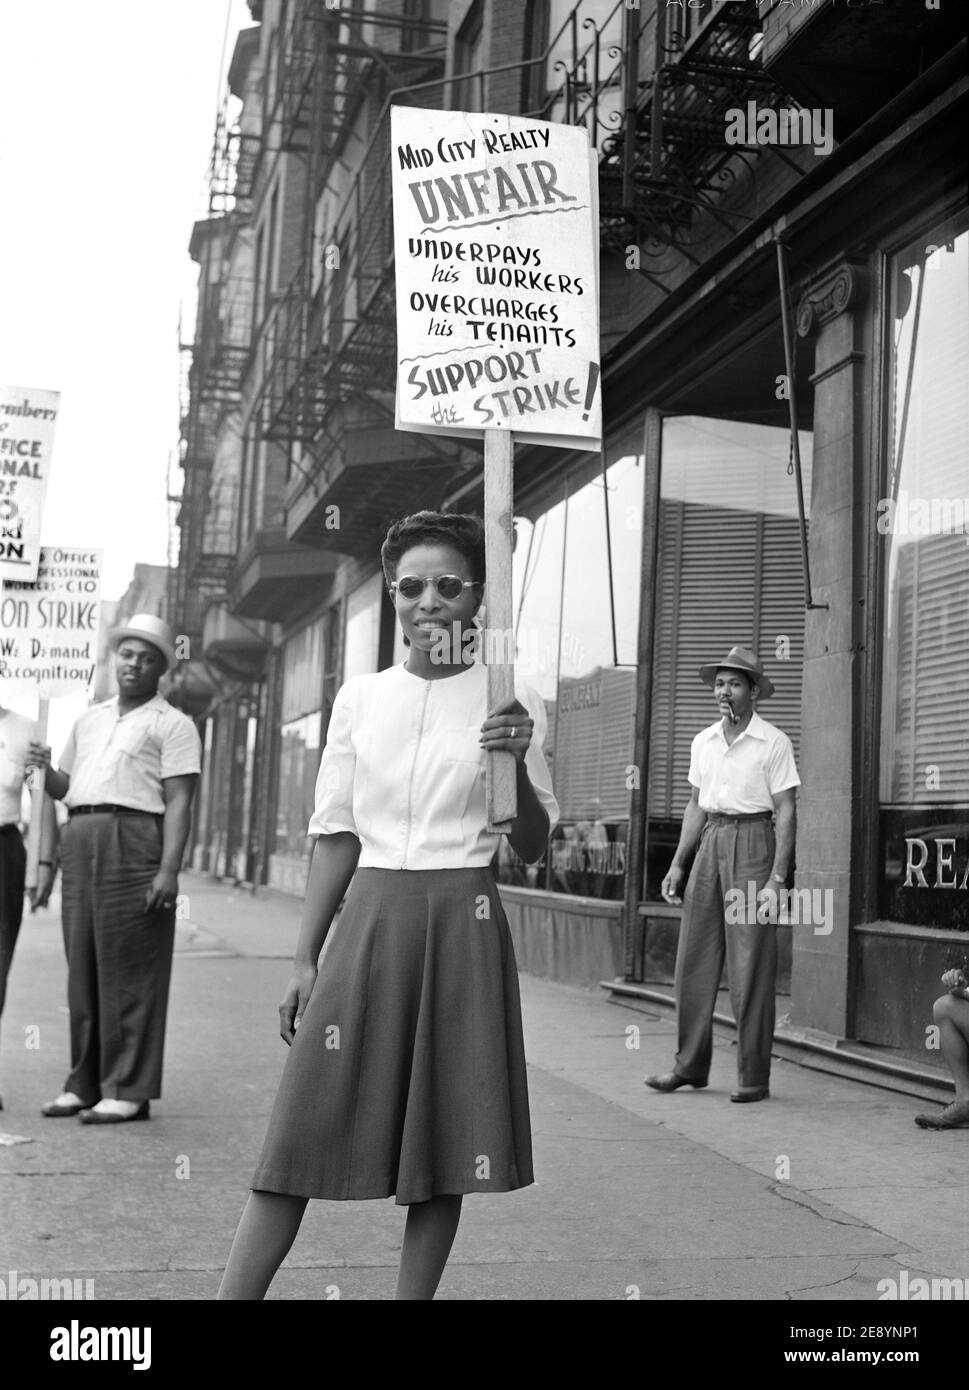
(740, 820)
(127, 776)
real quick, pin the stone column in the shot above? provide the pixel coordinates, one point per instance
(820, 974)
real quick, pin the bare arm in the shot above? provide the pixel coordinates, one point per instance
(785, 829)
(178, 793)
(529, 830)
(56, 782)
(39, 895)
(331, 869)
(694, 819)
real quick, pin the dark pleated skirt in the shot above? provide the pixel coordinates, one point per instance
(407, 1073)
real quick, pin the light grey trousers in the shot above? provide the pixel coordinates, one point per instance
(733, 854)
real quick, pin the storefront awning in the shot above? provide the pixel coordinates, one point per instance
(234, 646)
(276, 577)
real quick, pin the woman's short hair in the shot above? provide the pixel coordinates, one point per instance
(462, 531)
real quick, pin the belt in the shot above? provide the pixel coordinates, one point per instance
(10, 827)
(107, 808)
(726, 818)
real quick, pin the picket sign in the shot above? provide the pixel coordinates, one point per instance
(496, 259)
(50, 629)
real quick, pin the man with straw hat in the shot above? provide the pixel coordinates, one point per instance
(127, 777)
(741, 821)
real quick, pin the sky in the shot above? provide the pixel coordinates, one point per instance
(107, 112)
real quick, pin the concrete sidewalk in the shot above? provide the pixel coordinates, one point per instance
(818, 1193)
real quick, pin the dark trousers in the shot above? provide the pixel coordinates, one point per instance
(731, 855)
(119, 957)
(13, 864)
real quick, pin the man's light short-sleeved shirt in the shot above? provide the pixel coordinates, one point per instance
(16, 732)
(743, 777)
(124, 758)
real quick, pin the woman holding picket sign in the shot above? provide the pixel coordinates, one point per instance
(406, 1070)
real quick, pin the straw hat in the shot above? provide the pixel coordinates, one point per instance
(739, 659)
(148, 628)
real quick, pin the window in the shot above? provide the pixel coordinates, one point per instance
(923, 519)
(536, 42)
(468, 58)
(728, 573)
(564, 649)
(299, 747)
(362, 640)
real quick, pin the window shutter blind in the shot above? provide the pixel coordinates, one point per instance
(595, 743)
(725, 577)
(931, 619)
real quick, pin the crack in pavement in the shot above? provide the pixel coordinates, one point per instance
(831, 1285)
(791, 1196)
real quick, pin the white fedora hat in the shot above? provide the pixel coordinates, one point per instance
(147, 628)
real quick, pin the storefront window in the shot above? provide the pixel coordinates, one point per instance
(362, 640)
(585, 672)
(299, 762)
(924, 520)
(728, 573)
(299, 748)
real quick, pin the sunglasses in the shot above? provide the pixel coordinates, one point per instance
(448, 586)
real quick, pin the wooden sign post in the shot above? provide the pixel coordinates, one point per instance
(499, 452)
(38, 795)
(496, 261)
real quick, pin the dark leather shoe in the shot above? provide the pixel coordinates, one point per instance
(53, 1111)
(669, 1081)
(748, 1097)
(954, 1116)
(99, 1117)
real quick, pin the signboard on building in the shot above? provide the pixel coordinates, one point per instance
(27, 420)
(496, 252)
(49, 629)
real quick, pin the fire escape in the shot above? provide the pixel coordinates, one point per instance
(211, 379)
(651, 86)
(331, 334)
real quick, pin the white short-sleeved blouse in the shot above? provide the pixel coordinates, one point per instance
(402, 769)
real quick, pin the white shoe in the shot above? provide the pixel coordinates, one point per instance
(124, 1109)
(67, 1103)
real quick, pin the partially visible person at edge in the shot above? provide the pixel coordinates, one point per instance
(951, 1013)
(16, 734)
(743, 776)
(127, 776)
(406, 1070)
